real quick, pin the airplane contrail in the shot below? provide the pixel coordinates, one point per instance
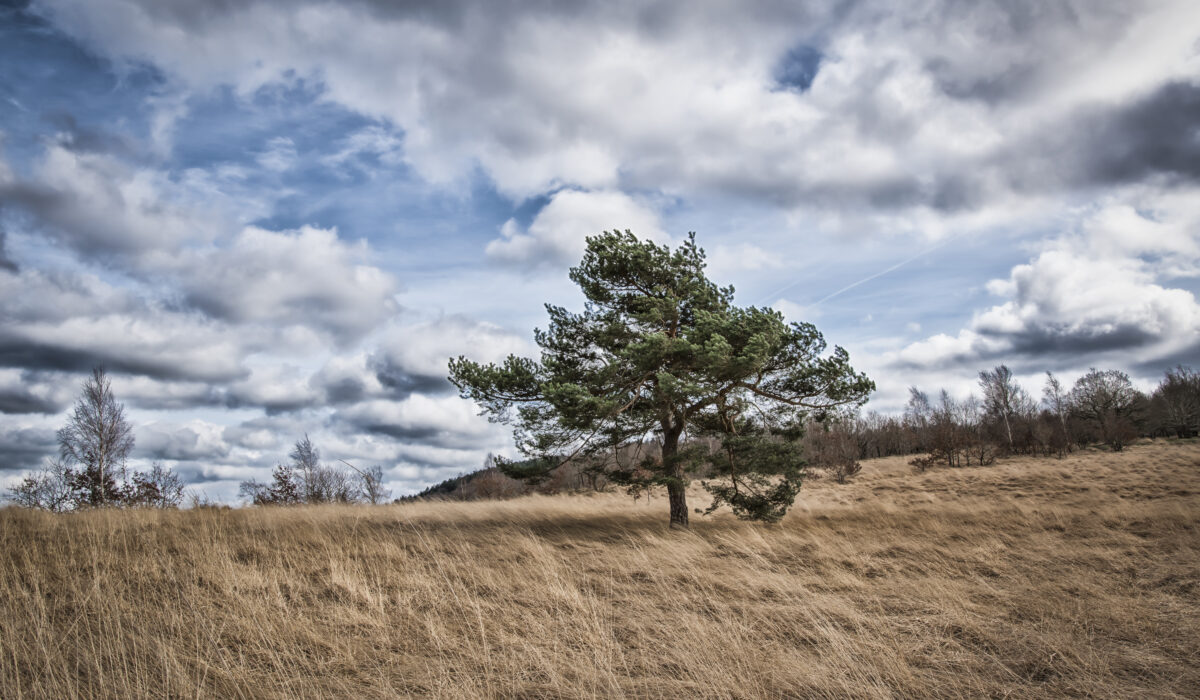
(852, 285)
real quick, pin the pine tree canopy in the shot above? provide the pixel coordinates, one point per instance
(660, 353)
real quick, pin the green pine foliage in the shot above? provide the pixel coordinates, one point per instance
(660, 353)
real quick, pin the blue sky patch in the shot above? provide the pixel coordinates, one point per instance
(798, 68)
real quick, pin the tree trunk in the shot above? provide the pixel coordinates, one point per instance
(676, 488)
(677, 494)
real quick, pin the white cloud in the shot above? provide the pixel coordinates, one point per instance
(1098, 292)
(63, 320)
(280, 154)
(443, 421)
(253, 438)
(424, 349)
(556, 235)
(725, 260)
(371, 140)
(347, 378)
(275, 386)
(34, 295)
(99, 205)
(307, 277)
(194, 440)
(796, 313)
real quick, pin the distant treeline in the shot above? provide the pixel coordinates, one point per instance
(305, 480)
(1003, 418)
(1102, 407)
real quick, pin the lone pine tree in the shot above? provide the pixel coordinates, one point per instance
(660, 352)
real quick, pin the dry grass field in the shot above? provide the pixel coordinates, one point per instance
(1031, 578)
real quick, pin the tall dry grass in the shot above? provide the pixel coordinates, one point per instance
(1030, 578)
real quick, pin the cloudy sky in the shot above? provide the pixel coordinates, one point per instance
(268, 218)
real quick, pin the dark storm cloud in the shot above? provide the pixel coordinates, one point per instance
(1187, 357)
(6, 263)
(183, 444)
(32, 199)
(1040, 344)
(655, 17)
(1159, 134)
(394, 382)
(422, 434)
(271, 406)
(206, 398)
(1155, 138)
(24, 354)
(15, 352)
(402, 382)
(1040, 348)
(30, 392)
(958, 193)
(344, 390)
(195, 473)
(25, 402)
(1072, 343)
(429, 434)
(25, 448)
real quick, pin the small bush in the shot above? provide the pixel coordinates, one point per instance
(843, 470)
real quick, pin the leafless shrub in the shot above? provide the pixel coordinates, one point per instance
(831, 444)
(158, 488)
(48, 489)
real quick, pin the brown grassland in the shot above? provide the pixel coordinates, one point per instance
(1030, 578)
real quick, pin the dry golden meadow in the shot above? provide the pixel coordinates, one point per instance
(1030, 578)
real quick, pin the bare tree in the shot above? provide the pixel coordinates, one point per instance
(98, 438)
(370, 485)
(1055, 397)
(1175, 403)
(1058, 400)
(306, 459)
(306, 480)
(918, 414)
(1003, 399)
(1108, 401)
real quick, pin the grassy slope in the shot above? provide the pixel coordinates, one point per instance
(1029, 578)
